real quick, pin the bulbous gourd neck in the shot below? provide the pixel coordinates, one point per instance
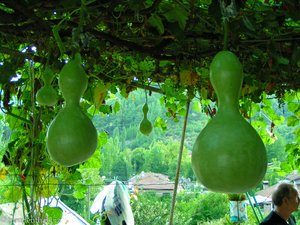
(145, 110)
(226, 76)
(72, 103)
(145, 116)
(73, 80)
(228, 102)
(231, 107)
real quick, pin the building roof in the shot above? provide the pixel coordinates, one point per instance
(267, 192)
(152, 181)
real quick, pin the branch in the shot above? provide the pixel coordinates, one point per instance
(146, 87)
(14, 115)
(22, 9)
(152, 8)
(279, 39)
(24, 55)
(153, 51)
(124, 43)
(9, 18)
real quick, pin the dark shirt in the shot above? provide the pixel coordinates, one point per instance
(275, 219)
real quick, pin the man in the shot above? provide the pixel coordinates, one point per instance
(285, 200)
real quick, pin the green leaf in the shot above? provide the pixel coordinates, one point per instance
(293, 106)
(293, 121)
(160, 123)
(79, 194)
(93, 162)
(282, 60)
(165, 63)
(292, 148)
(6, 9)
(297, 133)
(296, 56)
(155, 21)
(248, 24)
(102, 139)
(116, 107)
(286, 166)
(12, 194)
(146, 66)
(203, 93)
(99, 94)
(197, 106)
(279, 120)
(54, 214)
(106, 109)
(177, 14)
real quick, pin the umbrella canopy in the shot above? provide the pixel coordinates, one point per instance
(114, 200)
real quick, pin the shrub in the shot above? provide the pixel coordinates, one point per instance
(209, 206)
(191, 209)
(151, 209)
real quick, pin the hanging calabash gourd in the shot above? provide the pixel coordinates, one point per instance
(71, 136)
(228, 155)
(47, 95)
(145, 125)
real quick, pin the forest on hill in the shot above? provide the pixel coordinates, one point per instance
(123, 151)
(129, 152)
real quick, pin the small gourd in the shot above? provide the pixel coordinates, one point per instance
(145, 125)
(71, 136)
(47, 95)
(228, 155)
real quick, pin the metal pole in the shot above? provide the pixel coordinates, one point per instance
(179, 163)
(253, 208)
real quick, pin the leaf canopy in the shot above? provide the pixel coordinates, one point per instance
(142, 43)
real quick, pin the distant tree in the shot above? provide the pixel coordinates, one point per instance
(119, 169)
(108, 155)
(127, 157)
(276, 149)
(138, 160)
(161, 157)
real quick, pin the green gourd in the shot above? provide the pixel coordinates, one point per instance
(145, 125)
(47, 95)
(71, 136)
(228, 155)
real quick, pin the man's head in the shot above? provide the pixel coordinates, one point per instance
(286, 195)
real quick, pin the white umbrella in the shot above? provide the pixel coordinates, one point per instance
(114, 200)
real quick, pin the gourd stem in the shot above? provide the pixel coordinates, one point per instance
(146, 96)
(33, 154)
(250, 112)
(59, 42)
(179, 162)
(76, 34)
(226, 28)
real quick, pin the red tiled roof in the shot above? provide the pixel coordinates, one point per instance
(267, 192)
(152, 181)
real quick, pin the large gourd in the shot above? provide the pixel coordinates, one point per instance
(228, 155)
(71, 136)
